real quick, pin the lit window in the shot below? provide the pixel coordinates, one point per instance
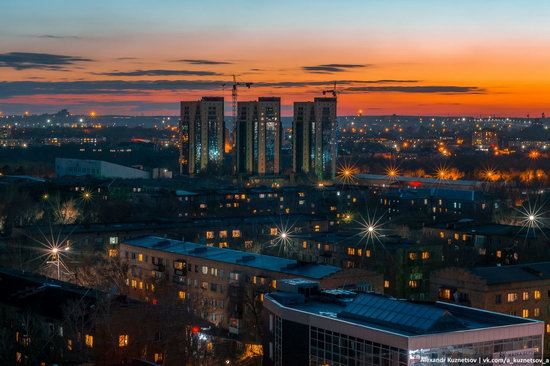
(445, 294)
(413, 284)
(442, 235)
(123, 340)
(274, 283)
(359, 252)
(548, 328)
(536, 295)
(386, 284)
(134, 283)
(273, 231)
(209, 235)
(304, 245)
(456, 236)
(113, 253)
(181, 295)
(18, 357)
(536, 312)
(140, 257)
(69, 344)
(89, 341)
(368, 254)
(113, 240)
(525, 296)
(499, 254)
(159, 357)
(512, 297)
(525, 313)
(425, 255)
(351, 251)
(223, 234)
(236, 233)
(413, 256)
(317, 228)
(204, 269)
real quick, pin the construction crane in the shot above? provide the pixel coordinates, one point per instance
(234, 93)
(332, 91)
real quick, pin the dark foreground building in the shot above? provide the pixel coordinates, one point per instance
(307, 326)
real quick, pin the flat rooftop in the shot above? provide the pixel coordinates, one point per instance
(516, 273)
(236, 257)
(402, 317)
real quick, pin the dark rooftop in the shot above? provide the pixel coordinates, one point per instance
(515, 273)
(237, 257)
(407, 318)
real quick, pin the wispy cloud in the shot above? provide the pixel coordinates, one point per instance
(53, 36)
(204, 62)
(137, 87)
(332, 68)
(430, 89)
(160, 73)
(45, 61)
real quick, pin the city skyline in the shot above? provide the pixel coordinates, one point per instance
(134, 57)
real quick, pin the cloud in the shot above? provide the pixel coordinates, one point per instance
(204, 62)
(160, 73)
(53, 36)
(332, 68)
(45, 61)
(140, 87)
(447, 89)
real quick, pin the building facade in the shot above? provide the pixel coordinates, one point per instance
(258, 145)
(519, 290)
(314, 141)
(307, 326)
(97, 169)
(202, 135)
(228, 283)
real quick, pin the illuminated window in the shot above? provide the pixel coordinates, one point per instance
(548, 328)
(413, 256)
(525, 296)
(536, 295)
(141, 285)
(113, 253)
(113, 240)
(134, 283)
(204, 269)
(525, 313)
(386, 284)
(536, 312)
(202, 205)
(425, 255)
(236, 233)
(317, 228)
(179, 265)
(304, 245)
(512, 297)
(413, 284)
(70, 344)
(456, 236)
(223, 244)
(274, 283)
(273, 231)
(442, 235)
(499, 254)
(209, 235)
(159, 357)
(351, 251)
(223, 234)
(140, 257)
(359, 252)
(367, 253)
(445, 293)
(89, 341)
(123, 340)
(18, 357)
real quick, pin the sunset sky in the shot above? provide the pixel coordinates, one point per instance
(468, 57)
